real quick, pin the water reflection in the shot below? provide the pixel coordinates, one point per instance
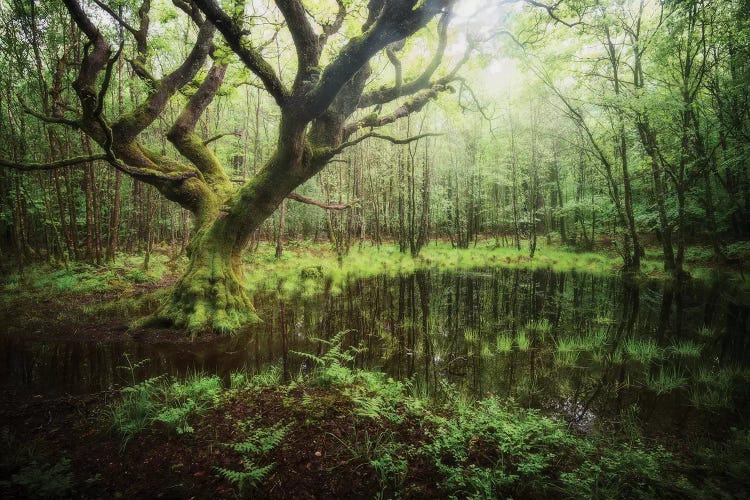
(583, 346)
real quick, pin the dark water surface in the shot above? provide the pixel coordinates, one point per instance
(589, 348)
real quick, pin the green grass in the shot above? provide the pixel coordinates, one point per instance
(162, 399)
(685, 349)
(523, 341)
(308, 269)
(643, 350)
(82, 278)
(504, 343)
(666, 380)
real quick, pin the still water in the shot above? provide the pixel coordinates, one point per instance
(588, 348)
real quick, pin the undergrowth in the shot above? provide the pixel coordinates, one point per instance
(487, 448)
(163, 399)
(257, 444)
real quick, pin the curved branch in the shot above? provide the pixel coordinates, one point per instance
(551, 12)
(397, 21)
(219, 136)
(46, 118)
(412, 105)
(106, 8)
(326, 206)
(250, 56)
(105, 83)
(127, 128)
(398, 68)
(327, 154)
(190, 9)
(182, 133)
(305, 39)
(387, 94)
(333, 27)
(77, 160)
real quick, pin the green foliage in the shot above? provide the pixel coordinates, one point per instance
(307, 270)
(251, 474)
(666, 380)
(726, 465)
(491, 448)
(83, 278)
(43, 480)
(643, 350)
(258, 443)
(268, 378)
(685, 349)
(738, 250)
(374, 394)
(330, 367)
(260, 440)
(504, 343)
(161, 399)
(619, 471)
(715, 388)
(538, 329)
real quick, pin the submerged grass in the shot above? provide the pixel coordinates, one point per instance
(643, 350)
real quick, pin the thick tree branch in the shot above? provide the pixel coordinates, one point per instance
(411, 105)
(106, 8)
(94, 59)
(388, 94)
(69, 162)
(127, 128)
(250, 56)
(331, 29)
(304, 37)
(190, 9)
(219, 136)
(397, 20)
(390, 51)
(105, 82)
(183, 136)
(326, 206)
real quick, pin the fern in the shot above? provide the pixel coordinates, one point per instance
(251, 475)
(259, 442)
(335, 355)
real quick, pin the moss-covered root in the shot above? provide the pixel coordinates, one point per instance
(206, 298)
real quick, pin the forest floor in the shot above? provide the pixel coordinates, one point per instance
(338, 433)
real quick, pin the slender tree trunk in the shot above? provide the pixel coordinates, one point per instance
(282, 226)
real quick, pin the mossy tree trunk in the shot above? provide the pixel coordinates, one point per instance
(211, 293)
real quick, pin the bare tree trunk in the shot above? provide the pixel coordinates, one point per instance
(282, 226)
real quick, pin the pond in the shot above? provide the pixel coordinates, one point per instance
(588, 348)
